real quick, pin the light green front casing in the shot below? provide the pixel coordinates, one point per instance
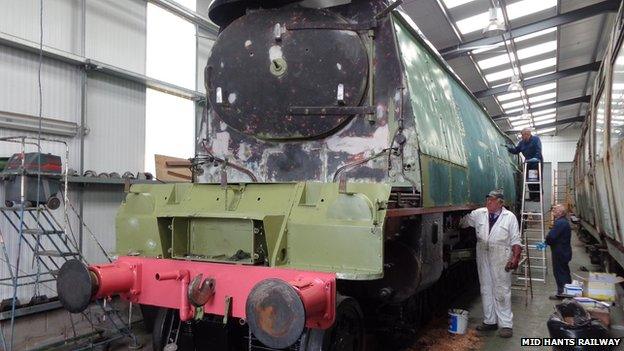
(307, 225)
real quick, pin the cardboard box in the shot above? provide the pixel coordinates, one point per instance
(601, 286)
(600, 313)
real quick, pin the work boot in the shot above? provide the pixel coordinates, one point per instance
(487, 327)
(554, 297)
(505, 333)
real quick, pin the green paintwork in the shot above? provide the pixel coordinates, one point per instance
(307, 225)
(461, 152)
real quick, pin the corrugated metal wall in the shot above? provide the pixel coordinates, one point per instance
(113, 32)
(561, 147)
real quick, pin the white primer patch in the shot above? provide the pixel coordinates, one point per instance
(247, 43)
(220, 144)
(232, 98)
(339, 66)
(357, 145)
(275, 52)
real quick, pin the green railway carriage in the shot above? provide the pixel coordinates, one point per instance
(337, 155)
(599, 161)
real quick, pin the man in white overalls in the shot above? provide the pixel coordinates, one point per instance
(498, 254)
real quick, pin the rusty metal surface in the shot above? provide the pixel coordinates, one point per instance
(404, 212)
(318, 159)
(275, 313)
(200, 290)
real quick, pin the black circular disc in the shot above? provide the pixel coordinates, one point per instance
(75, 286)
(223, 12)
(275, 313)
(259, 69)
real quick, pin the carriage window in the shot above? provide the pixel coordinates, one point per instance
(616, 126)
(600, 126)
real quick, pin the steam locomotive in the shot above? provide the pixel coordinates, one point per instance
(337, 154)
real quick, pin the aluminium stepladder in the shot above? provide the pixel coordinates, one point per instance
(532, 266)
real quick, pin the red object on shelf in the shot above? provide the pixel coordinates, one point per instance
(165, 283)
(49, 163)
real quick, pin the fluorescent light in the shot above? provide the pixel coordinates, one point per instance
(496, 25)
(541, 88)
(538, 98)
(454, 3)
(536, 66)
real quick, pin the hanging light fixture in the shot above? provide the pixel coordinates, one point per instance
(495, 25)
(515, 84)
(525, 114)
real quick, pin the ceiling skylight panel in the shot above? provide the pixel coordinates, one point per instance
(541, 88)
(508, 96)
(516, 118)
(536, 66)
(547, 130)
(512, 104)
(488, 48)
(548, 116)
(545, 103)
(537, 49)
(515, 10)
(542, 97)
(521, 125)
(535, 35)
(475, 23)
(544, 112)
(508, 73)
(546, 121)
(454, 3)
(526, 7)
(514, 110)
(493, 61)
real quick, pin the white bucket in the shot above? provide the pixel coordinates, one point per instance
(458, 321)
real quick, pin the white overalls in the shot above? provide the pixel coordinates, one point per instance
(493, 253)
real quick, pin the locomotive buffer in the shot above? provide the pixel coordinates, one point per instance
(533, 263)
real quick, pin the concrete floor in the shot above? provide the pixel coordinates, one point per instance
(529, 321)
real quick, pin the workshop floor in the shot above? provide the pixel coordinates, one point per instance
(529, 321)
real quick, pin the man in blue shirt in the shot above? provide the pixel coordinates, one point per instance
(531, 148)
(559, 240)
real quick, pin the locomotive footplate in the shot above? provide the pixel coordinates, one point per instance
(277, 316)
